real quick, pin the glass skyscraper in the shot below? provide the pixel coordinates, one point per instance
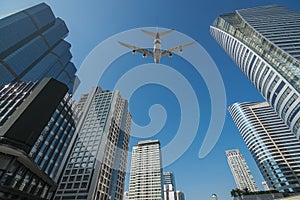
(179, 195)
(264, 43)
(275, 149)
(33, 47)
(169, 186)
(240, 170)
(51, 146)
(146, 177)
(96, 166)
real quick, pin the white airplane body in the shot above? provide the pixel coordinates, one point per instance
(157, 52)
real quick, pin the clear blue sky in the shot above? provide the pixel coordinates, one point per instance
(91, 22)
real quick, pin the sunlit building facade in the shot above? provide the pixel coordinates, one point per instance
(146, 177)
(240, 171)
(275, 149)
(96, 166)
(264, 43)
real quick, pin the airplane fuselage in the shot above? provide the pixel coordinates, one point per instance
(157, 52)
(157, 48)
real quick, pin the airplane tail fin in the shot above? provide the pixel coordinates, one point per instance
(148, 33)
(166, 32)
(160, 34)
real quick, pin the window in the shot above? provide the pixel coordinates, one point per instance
(86, 177)
(83, 185)
(78, 178)
(69, 186)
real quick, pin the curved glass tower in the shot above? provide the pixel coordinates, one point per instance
(273, 146)
(264, 43)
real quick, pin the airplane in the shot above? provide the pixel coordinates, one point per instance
(157, 52)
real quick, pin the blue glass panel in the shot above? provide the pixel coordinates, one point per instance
(65, 58)
(276, 92)
(13, 29)
(41, 14)
(61, 48)
(26, 55)
(5, 76)
(40, 70)
(70, 69)
(55, 70)
(56, 32)
(63, 77)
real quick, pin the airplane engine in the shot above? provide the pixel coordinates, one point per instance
(144, 55)
(170, 55)
(133, 52)
(180, 50)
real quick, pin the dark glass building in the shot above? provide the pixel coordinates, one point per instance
(26, 109)
(32, 47)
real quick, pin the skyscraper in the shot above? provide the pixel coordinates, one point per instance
(26, 109)
(213, 197)
(265, 186)
(146, 178)
(179, 195)
(264, 43)
(126, 195)
(96, 166)
(32, 47)
(240, 170)
(169, 186)
(169, 178)
(273, 146)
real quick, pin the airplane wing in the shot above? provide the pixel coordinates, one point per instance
(138, 49)
(176, 49)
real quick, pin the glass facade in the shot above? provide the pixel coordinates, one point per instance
(50, 148)
(20, 178)
(179, 195)
(32, 47)
(169, 186)
(33, 175)
(146, 178)
(96, 166)
(240, 170)
(275, 149)
(11, 97)
(264, 43)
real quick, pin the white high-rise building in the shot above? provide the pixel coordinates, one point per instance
(273, 146)
(96, 166)
(126, 195)
(265, 186)
(240, 170)
(264, 43)
(146, 177)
